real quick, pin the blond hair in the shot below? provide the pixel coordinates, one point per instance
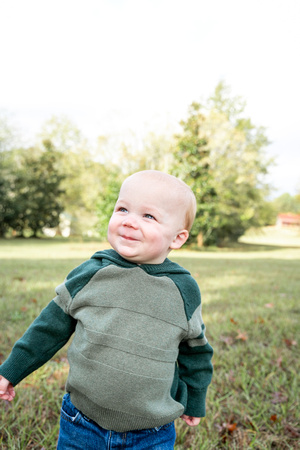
(185, 195)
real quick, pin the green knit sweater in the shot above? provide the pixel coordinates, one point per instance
(139, 357)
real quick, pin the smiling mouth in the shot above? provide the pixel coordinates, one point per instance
(128, 238)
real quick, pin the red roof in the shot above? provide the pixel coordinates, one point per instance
(289, 218)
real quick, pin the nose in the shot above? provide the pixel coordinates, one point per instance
(130, 221)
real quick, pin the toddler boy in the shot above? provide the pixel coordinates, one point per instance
(139, 358)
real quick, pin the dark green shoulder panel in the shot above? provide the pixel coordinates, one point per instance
(81, 275)
(189, 290)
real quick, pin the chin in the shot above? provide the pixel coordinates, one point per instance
(127, 255)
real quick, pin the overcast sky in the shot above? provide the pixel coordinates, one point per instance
(118, 65)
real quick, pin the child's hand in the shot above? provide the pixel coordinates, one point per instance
(191, 421)
(7, 391)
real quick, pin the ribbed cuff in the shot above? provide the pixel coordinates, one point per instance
(196, 403)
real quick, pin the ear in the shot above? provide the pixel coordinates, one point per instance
(179, 239)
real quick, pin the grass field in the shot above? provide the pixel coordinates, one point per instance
(283, 237)
(251, 311)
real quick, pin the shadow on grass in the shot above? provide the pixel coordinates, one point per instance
(241, 247)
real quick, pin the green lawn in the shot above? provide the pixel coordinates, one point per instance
(251, 311)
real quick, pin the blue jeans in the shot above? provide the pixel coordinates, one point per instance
(79, 432)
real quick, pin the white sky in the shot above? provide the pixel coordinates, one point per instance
(118, 65)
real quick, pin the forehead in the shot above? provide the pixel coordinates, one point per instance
(153, 195)
(147, 189)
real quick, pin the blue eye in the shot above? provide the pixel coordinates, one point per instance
(149, 216)
(121, 209)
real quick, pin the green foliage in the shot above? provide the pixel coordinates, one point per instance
(83, 179)
(222, 101)
(287, 203)
(30, 190)
(192, 165)
(156, 154)
(63, 134)
(106, 202)
(6, 163)
(8, 133)
(220, 155)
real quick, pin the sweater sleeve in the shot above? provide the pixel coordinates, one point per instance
(46, 335)
(195, 370)
(195, 353)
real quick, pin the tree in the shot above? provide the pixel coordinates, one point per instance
(35, 191)
(63, 134)
(220, 154)
(83, 176)
(8, 138)
(286, 203)
(192, 165)
(8, 133)
(6, 178)
(106, 201)
(155, 154)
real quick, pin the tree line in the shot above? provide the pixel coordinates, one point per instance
(219, 153)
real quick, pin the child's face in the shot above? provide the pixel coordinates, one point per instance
(147, 222)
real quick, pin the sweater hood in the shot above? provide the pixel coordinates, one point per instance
(167, 267)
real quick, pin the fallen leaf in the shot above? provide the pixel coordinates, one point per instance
(269, 305)
(273, 418)
(230, 426)
(233, 321)
(259, 320)
(34, 300)
(289, 342)
(19, 278)
(242, 335)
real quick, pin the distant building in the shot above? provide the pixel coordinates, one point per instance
(288, 220)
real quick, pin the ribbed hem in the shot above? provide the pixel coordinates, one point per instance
(118, 420)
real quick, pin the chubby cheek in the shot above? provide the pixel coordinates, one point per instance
(157, 240)
(112, 228)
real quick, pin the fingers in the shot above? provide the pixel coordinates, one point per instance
(7, 391)
(191, 421)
